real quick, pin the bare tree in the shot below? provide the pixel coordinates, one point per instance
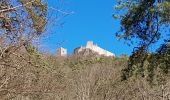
(21, 21)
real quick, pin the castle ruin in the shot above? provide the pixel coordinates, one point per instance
(62, 52)
(90, 45)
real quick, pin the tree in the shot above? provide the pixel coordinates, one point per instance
(20, 21)
(145, 22)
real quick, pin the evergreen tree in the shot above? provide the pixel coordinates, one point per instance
(145, 22)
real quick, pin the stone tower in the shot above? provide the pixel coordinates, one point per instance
(89, 44)
(62, 52)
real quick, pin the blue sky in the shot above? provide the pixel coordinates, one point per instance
(92, 20)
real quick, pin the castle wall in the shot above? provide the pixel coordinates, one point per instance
(63, 52)
(97, 49)
(81, 49)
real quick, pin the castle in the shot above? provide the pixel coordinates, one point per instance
(61, 52)
(91, 46)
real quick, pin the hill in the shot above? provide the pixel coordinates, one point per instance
(35, 76)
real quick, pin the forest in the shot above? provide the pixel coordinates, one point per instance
(29, 74)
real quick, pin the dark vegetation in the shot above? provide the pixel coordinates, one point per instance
(145, 23)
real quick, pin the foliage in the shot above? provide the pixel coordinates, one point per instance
(81, 63)
(145, 22)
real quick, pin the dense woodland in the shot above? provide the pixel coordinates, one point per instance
(28, 74)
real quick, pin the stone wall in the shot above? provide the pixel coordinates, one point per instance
(94, 48)
(98, 49)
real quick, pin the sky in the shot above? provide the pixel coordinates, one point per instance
(91, 21)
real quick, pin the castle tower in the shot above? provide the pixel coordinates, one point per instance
(89, 44)
(62, 52)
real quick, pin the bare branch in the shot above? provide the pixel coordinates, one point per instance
(13, 8)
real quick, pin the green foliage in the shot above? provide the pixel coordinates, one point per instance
(164, 12)
(36, 58)
(31, 49)
(159, 64)
(81, 63)
(145, 21)
(138, 22)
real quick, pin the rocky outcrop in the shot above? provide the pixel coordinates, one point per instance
(85, 52)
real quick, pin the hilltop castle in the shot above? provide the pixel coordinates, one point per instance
(89, 46)
(61, 52)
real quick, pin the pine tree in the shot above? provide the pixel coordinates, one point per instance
(145, 22)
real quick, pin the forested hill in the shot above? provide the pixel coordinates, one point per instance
(35, 76)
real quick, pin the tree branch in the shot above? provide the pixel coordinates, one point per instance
(9, 9)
